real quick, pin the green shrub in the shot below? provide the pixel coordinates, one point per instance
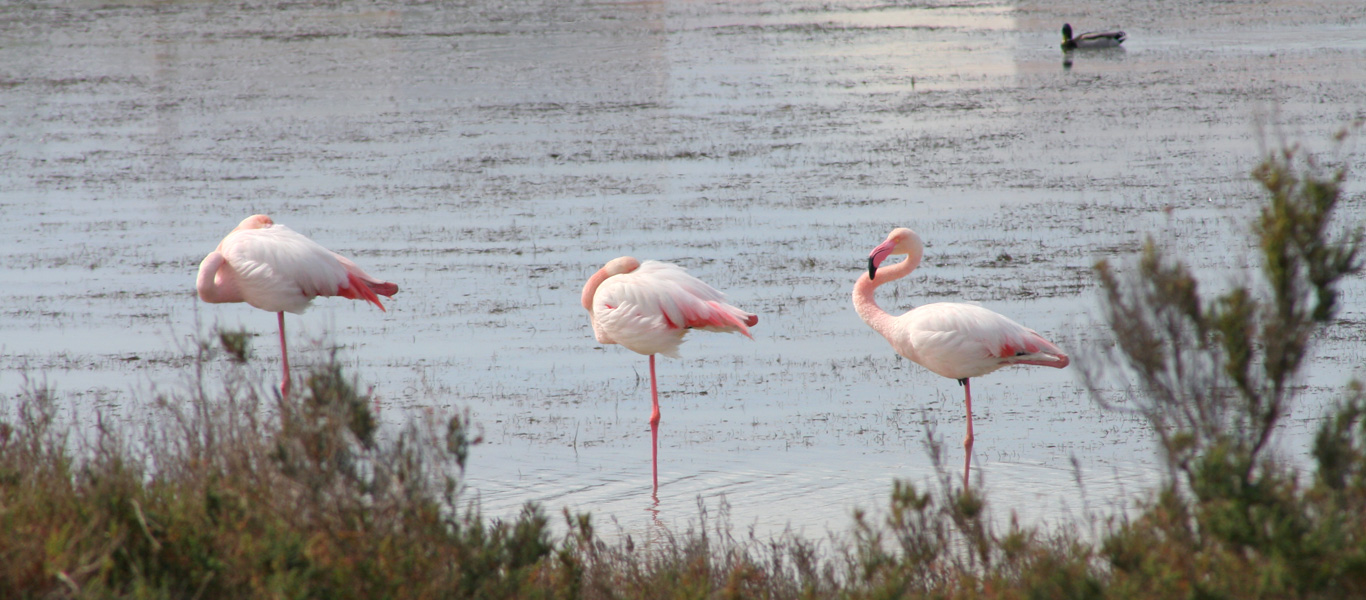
(1216, 377)
(229, 503)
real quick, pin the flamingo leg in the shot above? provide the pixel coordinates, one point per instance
(654, 425)
(284, 358)
(967, 442)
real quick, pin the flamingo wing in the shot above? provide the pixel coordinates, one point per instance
(650, 309)
(965, 340)
(281, 270)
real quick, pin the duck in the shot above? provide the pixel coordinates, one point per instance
(1091, 39)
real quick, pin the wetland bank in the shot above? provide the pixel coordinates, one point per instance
(489, 157)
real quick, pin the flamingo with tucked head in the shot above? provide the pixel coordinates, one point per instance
(648, 308)
(277, 269)
(958, 341)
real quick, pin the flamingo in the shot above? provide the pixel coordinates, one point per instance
(958, 341)
(277, 269)
(648, 308)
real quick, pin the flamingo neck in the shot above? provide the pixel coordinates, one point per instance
(866, 305)
(217, 282)
(591, 288)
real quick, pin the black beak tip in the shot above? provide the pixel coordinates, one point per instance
(872, 268)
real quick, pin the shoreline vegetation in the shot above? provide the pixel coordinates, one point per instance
(236, 493)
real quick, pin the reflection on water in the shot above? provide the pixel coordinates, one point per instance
(1099, 54)
(810, 491)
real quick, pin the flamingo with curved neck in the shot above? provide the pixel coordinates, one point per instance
(958, 341)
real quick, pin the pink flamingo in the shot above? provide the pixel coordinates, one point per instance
(958, 341)
(648, 307)
(277, 269)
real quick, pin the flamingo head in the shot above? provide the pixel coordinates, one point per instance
(899, 241)
(620, 266)
(616, 266)
(254, 222)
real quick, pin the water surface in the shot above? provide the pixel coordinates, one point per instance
(489, 157)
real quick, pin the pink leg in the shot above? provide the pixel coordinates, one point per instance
(654, 425)
(284, 358)
(967, 442)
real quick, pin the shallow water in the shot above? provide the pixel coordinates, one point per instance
(488, 158)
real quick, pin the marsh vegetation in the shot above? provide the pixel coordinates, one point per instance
(233, 492)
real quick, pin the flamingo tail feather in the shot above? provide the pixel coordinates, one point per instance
(722, 317)
(361, 289)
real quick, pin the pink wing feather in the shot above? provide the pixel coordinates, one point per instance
(361, 286)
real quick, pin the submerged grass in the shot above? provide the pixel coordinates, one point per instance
(234, 493)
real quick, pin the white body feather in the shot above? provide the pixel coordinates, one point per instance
(279, 269)
(959, 341)
(650, 309)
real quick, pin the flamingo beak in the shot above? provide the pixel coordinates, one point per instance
(878, 255)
